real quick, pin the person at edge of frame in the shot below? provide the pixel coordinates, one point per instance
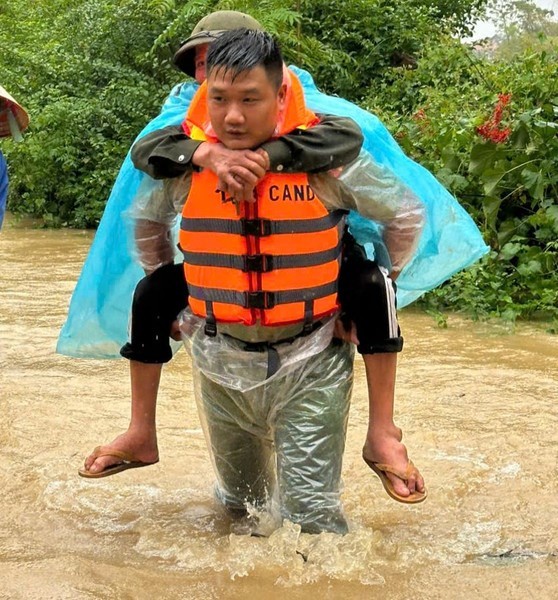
(13, 121)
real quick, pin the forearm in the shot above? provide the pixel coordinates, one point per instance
(334, 142)
(165, 153)
(153, 245)
(153, 214)
(401, 237)
(377, 194)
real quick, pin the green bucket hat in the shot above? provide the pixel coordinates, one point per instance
(206, 30)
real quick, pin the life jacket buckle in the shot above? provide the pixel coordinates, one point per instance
(256, 227)
(259, 300)
(210, 329)
(258, 263)
(308, 328)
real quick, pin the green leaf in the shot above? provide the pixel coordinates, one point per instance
(532, 267)
(482, 157)
(552, 212)
(534, 182)
(546, 124)
(450, 158)
(491, 178)
(506, 232)
(510, 250)
(491, 206)
(520, 137)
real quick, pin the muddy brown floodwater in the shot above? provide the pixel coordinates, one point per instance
(477, 403)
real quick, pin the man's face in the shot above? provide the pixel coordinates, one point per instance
(243, 112)
(199, 62)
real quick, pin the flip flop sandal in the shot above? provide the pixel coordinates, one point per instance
(128, 462)
(381, 471)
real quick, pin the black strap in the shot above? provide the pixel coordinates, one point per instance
(261, 263)
(308, 317)
(210, 322)
(273, 361)
(262, 299)
(262, 227)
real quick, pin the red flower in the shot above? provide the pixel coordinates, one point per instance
(490, 130)
(420, 115)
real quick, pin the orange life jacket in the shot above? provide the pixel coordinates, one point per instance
(276, 260)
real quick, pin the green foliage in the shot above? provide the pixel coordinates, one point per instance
(82, 71)
(516, 17)
(459, 15)
(497, 287)
(349, 47)
(510, 187)
(92, 73)
(364, 40)
(520, 24)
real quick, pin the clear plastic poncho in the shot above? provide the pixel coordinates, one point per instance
(278, 446)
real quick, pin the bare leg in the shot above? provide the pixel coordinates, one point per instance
(383, 440)
(140, 439)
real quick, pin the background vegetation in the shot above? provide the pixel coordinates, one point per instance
(484, 119)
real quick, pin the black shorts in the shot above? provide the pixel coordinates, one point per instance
(367, 297)
(158, 299)
(366, 294)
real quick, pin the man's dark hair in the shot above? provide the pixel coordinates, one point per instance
(241, 50)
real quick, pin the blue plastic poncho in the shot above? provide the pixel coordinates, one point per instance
(97, 323)
(3, 187)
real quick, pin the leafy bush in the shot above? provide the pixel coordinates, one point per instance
(488, 130)
(90, 87)
(93, 72)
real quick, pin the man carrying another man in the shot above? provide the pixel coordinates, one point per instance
(242, 195)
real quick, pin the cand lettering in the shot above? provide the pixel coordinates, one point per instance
(291, 193)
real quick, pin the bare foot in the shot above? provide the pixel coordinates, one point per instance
(143, 447)
(386, 448)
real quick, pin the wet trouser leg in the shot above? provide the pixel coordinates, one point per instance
(303, 416)
(242, 454)
(310, 434)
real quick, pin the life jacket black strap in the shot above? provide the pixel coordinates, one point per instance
(262, 227)
(261, 263)
(210, 322)
(262, 299)
(308, 317)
